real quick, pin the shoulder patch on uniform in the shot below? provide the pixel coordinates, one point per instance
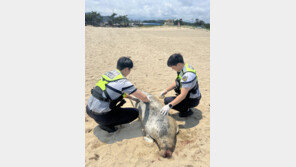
(184, 78)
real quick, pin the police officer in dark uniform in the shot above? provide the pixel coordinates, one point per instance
(185, 86)
(104, 104)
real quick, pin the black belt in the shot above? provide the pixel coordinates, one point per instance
(104, 113)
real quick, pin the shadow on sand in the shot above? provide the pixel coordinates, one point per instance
(134, 129)
(190, 121)
(125, 131)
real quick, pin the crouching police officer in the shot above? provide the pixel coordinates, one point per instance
(185, 86)
(104, 105)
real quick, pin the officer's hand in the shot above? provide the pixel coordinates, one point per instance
(165, 109)
(163, 93)
(148, 97)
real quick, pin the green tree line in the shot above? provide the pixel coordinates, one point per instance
(197, 22)
(95, 19)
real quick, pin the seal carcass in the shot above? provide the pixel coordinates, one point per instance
(162, 129)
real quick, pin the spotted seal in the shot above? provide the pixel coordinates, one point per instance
(161, 129)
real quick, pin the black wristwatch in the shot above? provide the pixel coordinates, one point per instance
(170, 105)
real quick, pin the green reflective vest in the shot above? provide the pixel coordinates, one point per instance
(100, 87)
(188, 68)
(109, 77)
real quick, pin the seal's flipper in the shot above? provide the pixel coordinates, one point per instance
(148, 139)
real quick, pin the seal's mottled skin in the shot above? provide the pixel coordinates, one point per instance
(163, 129)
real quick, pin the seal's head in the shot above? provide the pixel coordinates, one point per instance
(166, 153)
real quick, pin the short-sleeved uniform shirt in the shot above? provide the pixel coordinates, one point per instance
(122, 85)
(189, 80)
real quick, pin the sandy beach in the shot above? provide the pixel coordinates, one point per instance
(149, 48)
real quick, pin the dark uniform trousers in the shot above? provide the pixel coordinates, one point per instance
(184, 105)
(114, 117)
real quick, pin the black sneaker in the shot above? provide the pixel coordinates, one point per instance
(109, 129)
(186, 114)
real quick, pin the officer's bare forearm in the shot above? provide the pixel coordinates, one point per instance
(140, 96)
(181, 97)
(177, 100)
(129, 96)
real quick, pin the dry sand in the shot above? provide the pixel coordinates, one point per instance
(149, 48)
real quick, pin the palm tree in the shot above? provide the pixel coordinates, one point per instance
(93, 18)
(112, 19)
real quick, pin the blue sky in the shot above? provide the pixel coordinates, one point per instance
(188, 10)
